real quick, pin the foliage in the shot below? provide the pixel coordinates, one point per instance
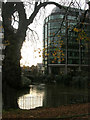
(25, 81)
(79, 81)
(82, 35)
(54, 50)
(64, 79)
(34, 69)
(74, 79)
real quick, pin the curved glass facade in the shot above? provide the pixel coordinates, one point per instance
(62, 50)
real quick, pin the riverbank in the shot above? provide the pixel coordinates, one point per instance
(64, 111)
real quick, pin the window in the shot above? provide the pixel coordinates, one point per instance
(45, 62)
(69, 61)
(63, 31)
(45, 58)
(76, 54)
(48, 40)
(45, 43)
(55, 25)
(58, 16)
(48, 25)
(45, 31)
(47, 19)
(71, 17)
(72, 23)
(53, 31)
(64, 23)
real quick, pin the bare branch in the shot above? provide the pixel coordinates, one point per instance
(35, 5)
(22, 15)
(37, 8)
(33, 31)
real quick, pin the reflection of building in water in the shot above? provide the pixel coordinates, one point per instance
(32, 100)
(62, 50)
(51, 96)
(56, 95)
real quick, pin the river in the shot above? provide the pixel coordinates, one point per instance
(42, 95)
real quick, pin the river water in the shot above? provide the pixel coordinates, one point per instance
(41, 95)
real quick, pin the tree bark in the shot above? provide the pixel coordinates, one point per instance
(11, 70)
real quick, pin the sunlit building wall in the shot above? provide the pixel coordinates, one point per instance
(63, 51)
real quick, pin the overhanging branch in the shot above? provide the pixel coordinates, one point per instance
(37, 8)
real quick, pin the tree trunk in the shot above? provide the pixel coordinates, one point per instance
(11, 70)
(11, 75)
(9, 97)
(11, 64)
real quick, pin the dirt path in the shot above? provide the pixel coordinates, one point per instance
(74, 110)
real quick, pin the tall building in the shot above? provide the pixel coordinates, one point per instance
(65, 47)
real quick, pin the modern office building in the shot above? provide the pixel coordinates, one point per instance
(64, 50)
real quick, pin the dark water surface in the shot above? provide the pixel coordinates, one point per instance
(41, 95)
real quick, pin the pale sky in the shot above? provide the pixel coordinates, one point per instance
(31, 51)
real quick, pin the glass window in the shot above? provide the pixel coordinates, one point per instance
(69, 61)
(55, 25)
(45, 31)
(47, 19)
(45, 62)
(52, 32)
(63, 62)
(71, 17)
(72, 23)
(46, 49)
(58, 16)
(45, 43)
(51, 17)
(48, 40)
(48, 25)
(63, 30)
(74, 61)
(64, 23)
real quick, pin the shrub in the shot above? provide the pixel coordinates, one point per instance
(79, 81)
(25, 81)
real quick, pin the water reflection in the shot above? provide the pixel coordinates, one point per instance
(51, 96)
(33, 99)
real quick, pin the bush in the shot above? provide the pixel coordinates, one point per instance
(58, 78)
(63, 79)
(25, 81)
(67, 79)
(80, 81)
(50, 78)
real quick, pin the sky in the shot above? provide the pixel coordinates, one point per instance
(31, 51)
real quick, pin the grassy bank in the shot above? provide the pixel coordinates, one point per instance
(64, 111)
